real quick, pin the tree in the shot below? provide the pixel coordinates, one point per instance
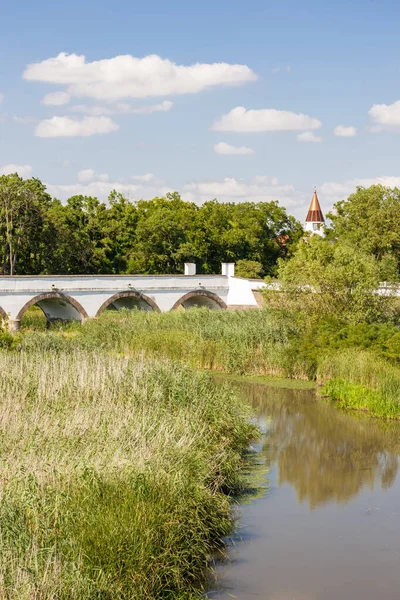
(336, 279)
(369, 219)
(23, 206)
(250, 269)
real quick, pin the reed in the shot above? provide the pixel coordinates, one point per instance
(360, 380)
(230, 341)
(115, 475)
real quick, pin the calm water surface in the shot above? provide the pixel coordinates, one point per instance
(328, 528)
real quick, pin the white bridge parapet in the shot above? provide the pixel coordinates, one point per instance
(67, 297)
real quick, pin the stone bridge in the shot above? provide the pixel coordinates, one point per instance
(78, 297)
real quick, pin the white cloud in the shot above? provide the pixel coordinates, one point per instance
(145, 177)
(129, 77)
(385, 116)
(343, 131)
(104, 177)
(341, 190)
(267, 119)
(22, 170)
(56, 99)
(259, 189)
(25, 120)
(224, 148)
(68, 127)
(309, 137)
(121, 109)
(86, 175)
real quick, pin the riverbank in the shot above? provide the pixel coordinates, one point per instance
(116, 474)
(356, 366)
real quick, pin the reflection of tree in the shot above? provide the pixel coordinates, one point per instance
(325, 454)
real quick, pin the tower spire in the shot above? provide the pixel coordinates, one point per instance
(315, 218)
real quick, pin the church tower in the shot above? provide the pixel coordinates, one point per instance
(315, 219)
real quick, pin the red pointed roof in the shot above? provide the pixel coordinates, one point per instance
(314, 214)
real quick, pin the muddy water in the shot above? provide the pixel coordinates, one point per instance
(328, 527)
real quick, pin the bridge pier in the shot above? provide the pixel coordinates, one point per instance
(14, 325)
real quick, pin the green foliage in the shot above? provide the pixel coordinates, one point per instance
(23, 208)
(115, 475)
(360, 380)
(250, 269)
(84, 235)
(369, 220)
(335, 279)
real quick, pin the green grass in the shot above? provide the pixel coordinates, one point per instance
(115, 475)
(237, 342)
(360, 380)
(360, 362)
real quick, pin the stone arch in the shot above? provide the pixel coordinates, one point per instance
(3, 314)
(137, 300)
(56, 306)
(200, 298)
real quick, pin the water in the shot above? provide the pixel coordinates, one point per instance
(328, 527)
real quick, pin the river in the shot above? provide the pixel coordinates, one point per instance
(328, 525)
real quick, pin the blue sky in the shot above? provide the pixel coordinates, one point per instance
(150, 125)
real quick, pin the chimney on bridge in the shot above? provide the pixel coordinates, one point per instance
(228, 269)
(190, 268)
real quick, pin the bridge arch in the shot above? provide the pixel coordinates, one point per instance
(3, 315)
(56, 306)
(130, 299)
(200, 299)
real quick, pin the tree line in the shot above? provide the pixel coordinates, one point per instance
(42, 235)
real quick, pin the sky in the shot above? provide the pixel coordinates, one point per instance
(240, 101)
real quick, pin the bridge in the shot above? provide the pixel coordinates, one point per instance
(78, 297)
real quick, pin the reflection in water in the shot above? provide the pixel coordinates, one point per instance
(325, 454)
(329, 526)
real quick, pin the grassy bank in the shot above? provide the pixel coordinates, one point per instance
(359, 380)
(115, 475)
(356, 365)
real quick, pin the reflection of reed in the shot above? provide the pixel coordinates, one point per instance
(325, 454)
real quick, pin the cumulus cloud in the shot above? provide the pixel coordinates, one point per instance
(343, 131)
(86, 175)
(121, 109)
(224, 148)
(68, 127)
(145, 177)
(56, 99)
(385, 116)
(267, 119)
(309, 137)
(22, 170)
(129, 77)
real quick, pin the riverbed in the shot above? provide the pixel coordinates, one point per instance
(327, 525)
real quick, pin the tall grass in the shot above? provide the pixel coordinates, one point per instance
(230, 341)
(263, 342)
(115, 474)
(360, 380)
